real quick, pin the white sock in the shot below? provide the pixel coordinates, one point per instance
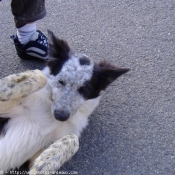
(24, 33)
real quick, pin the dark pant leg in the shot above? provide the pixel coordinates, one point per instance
(26, 11)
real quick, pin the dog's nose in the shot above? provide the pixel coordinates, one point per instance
(61, 115)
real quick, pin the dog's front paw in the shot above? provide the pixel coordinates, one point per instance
(55, 155)
(20, 85)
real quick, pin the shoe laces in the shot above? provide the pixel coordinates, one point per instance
(42, 39)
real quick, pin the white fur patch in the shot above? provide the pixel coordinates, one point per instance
(32, 125)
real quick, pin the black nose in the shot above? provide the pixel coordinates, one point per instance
(61, 115)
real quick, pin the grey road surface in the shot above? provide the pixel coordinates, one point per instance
(132, 132)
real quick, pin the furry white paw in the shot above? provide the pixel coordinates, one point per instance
(55, 155)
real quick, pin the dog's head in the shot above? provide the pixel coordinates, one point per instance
(75, 78)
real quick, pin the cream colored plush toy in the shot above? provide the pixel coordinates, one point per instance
(13, 89)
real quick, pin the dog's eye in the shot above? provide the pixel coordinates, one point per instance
(85, 91)
(61, 82)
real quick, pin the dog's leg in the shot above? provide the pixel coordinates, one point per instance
(17, 86)
(55, 155)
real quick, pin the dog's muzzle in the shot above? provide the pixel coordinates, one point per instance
(61, 115)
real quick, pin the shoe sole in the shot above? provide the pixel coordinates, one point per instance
(25, 56)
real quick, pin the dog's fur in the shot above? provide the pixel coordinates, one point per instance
(61, 107)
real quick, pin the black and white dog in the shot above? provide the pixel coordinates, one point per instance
(61, 107)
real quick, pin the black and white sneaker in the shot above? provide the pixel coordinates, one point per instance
(36, 48)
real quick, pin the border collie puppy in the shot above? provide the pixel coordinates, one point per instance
(61, 107)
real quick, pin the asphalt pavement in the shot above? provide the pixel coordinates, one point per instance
(132, 132)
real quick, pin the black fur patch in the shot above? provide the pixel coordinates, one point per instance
(25, 166)
(56, 66)
(87, 90)
(3, 123)
(60, 51)
(103, 75)
(84, 61)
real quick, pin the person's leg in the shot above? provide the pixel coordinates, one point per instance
(24, 33)
(29, 42)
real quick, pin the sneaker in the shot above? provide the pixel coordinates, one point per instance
(36, 48)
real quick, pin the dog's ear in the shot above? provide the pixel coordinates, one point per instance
(106, 73)
(103, 75)
(59, 53)
(58, 48)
